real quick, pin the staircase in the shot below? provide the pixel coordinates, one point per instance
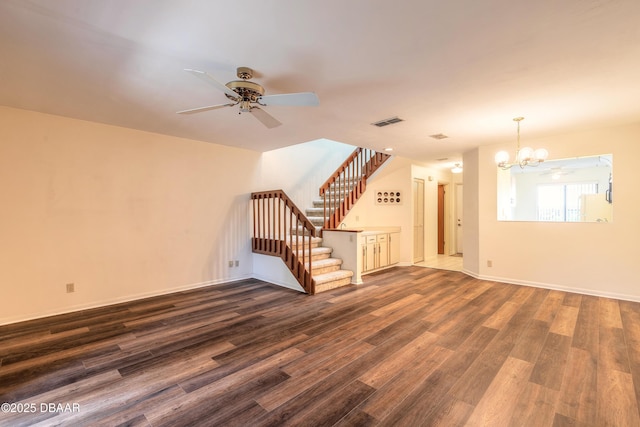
(281, 229)
(345, 186)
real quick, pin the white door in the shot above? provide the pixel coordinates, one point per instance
(418, 220)
(459, 219)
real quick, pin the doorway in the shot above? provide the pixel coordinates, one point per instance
(418, 220)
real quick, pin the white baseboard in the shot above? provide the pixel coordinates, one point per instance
(128, 298)
(555, 287)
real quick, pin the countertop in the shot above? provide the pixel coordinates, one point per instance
(367, 230)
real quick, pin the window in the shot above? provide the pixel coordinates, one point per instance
(562, 202)
(573, 189)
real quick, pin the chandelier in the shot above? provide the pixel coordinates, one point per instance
(524, 156)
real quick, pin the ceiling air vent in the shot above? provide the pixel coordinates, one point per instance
(387, 122)
(439, 136)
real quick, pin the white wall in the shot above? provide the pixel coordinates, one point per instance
(273, 270)
(301, 169)
(592, 258)
(120, 213)
(471, 207)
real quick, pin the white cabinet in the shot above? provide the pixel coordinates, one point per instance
(363, 251)
(380, 250)
(383, 250)
(370, 257)
(394, 248)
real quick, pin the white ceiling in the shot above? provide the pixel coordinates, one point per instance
(464, 68)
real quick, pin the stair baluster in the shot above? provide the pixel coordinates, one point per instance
(270, 222)
(345, 186)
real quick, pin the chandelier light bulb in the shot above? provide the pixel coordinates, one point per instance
(502, 157)
(541, 154)
(525, 154)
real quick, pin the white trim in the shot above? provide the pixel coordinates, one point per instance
(582, 291)
(80, 307)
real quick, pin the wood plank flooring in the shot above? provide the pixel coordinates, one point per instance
(411, 347)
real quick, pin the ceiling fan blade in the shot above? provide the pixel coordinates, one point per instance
(302, 98)
(267, 119)
(201, 109)
(208, 78)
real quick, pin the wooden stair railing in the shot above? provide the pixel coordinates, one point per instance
(273, 214)
(341, 191)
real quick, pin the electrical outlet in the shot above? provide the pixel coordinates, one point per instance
(237, 263)
(71, 287)
(230, 263)
(489, 263)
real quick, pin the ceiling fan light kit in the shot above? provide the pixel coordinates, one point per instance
(249, 95)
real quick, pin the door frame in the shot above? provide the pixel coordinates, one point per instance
(441, 219)
(416, 258)
(459, 208)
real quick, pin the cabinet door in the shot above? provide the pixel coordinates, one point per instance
(394, 248)
(370, 257)
(383, 250)
(363, 254)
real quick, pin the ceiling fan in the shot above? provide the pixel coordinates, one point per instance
(250, 95)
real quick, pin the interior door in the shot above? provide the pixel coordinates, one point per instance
(459, 219)
(418, 220)
(441, 194)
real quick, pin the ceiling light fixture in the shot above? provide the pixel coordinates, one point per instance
(457, 168)
(388, 149)
(524, 156)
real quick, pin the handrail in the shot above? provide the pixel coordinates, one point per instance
(273, 214)
(345, 186)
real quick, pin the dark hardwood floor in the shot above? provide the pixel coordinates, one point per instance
(411, 347)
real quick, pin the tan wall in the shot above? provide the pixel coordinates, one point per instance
(120, 213)
(595, 258)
